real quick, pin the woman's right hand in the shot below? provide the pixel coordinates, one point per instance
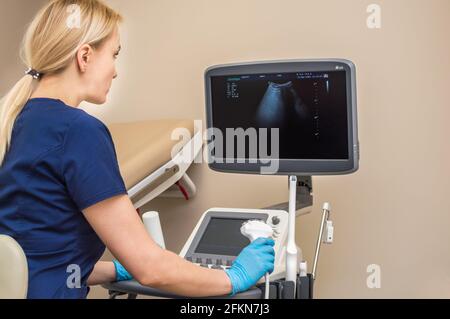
(253, 262)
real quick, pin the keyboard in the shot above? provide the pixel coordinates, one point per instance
(220, 264)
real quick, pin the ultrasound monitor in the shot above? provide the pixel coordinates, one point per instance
(299, 116)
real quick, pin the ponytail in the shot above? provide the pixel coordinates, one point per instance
(11, 106)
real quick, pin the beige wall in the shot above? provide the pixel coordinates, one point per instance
(14, 16)
(393, 212)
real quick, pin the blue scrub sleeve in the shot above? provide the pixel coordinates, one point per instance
(89, 163)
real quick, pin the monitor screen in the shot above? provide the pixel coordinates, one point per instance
(222, 236)
(294, 117)
(308, 108)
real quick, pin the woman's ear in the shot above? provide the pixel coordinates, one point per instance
(84, 55)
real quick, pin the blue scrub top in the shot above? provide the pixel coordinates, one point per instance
(61, 161)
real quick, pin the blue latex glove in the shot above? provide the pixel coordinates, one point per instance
(254, 262)
(121, 273)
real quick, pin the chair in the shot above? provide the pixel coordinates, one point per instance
(13, 270)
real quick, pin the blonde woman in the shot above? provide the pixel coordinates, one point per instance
(61, 193)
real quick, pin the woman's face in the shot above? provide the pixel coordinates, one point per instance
(102, 70)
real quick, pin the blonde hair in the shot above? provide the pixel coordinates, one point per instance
(49, 46)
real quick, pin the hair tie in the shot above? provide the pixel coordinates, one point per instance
(35, 74)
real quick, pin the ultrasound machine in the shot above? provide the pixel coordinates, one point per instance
(295, 118)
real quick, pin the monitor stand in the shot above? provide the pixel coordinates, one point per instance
(304, 197)
(300, 203)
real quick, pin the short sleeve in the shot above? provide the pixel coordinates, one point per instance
(89, 163)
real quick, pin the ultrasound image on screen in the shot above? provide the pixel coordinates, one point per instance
(308, 108)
